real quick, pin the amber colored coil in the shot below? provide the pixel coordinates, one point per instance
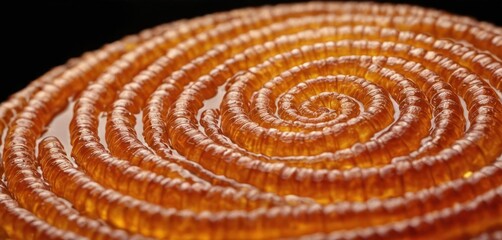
(312, 120)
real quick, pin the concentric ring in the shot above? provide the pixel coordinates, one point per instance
(314, 120)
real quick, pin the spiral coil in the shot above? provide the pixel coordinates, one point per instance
(315, 120)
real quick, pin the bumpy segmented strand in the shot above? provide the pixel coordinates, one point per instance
(314, 120)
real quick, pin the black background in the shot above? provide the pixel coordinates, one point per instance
(39, 36)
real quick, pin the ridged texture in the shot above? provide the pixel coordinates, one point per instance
(314, 120)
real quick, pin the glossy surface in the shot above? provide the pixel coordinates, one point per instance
(313, 120)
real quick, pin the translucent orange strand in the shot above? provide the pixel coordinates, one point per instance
(312, 120)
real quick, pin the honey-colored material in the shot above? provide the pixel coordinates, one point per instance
(315, 120)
